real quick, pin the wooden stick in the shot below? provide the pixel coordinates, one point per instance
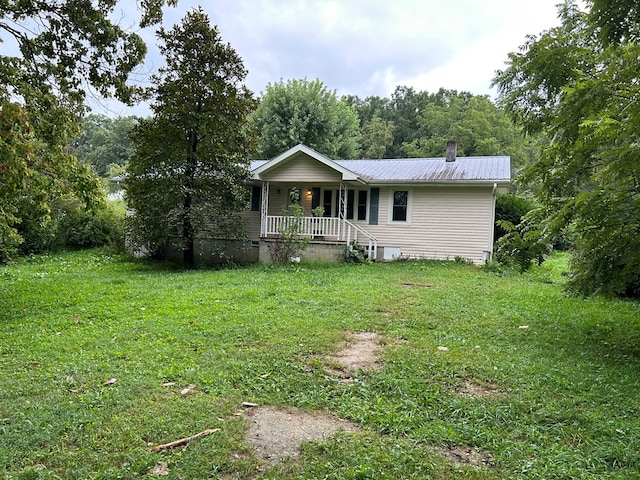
(183, 441)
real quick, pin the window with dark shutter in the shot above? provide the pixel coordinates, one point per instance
(374, 205)
(362, 205)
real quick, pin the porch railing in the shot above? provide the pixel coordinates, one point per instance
(328, 228)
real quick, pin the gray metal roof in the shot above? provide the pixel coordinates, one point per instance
(257, 163)
(463, 169)
(429, 170)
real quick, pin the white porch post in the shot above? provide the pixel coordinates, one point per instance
(342, 211)
(264, 209)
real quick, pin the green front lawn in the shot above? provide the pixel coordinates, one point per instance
(562, 373)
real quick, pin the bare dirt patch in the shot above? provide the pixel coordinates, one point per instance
(460, 455)
(277, 434)
(360, 352)
(472, 389)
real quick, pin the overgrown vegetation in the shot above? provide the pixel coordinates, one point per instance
(66, 50)
(565, 370)
(70, 226)
(289, 243)
(577, 84)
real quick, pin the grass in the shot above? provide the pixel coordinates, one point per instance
(569, 406)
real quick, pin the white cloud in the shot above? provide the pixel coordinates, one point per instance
(368, 47)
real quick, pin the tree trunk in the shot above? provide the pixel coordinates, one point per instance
(188, 250)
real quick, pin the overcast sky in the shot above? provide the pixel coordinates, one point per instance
(368, 47)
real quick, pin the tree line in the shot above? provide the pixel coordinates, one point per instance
(407, 124)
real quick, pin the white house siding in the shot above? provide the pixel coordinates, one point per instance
(278, 199)
(445, 223)
(301, 169)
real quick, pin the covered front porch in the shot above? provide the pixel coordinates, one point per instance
(327, 214)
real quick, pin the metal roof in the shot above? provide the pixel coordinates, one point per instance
(432, 170)
(487, 169)
(256, 164)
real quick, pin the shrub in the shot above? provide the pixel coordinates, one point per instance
(289, 244)
(511, 208)
(521, 245)
(71, 226)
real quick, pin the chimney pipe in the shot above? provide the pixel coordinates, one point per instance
(452, 147)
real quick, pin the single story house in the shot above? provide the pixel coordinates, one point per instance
(426, 208)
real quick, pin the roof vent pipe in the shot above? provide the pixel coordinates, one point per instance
(452, 147)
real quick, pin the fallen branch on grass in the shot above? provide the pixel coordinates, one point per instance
(183, 441)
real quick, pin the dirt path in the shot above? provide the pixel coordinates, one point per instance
(277, 434)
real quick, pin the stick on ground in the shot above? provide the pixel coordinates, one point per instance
(183, 441)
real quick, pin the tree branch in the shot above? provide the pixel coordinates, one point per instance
(183, 441)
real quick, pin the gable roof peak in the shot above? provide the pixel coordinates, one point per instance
(309, 152)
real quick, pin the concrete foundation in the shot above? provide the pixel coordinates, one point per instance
(315, 251)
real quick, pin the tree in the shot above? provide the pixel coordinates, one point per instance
(583, 92)
(377, 137)
(616, 21)
(401, 110)
(35, 169)
(62, 49)
(405, 107)
(473, 121)
(190, 169)
(369, 107)
(302, 111)
(105, 142)
(68, 45)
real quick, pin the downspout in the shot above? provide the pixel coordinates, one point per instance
(489, 253)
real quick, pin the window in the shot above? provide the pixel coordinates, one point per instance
(362, 205)
(256, 194)
(357, 210)
(357, 203)
(327, 203)
(350, 200)
(400, 206)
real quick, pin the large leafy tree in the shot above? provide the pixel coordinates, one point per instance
(405, 107)
(303, 111)
(104, 142)
(419, 124)
(579, 84)
(35, 169)
(473, 121)
(53, 53)
(66, 46)
(377, 137)
(189, 173)
(400, 114)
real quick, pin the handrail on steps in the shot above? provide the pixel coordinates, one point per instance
(372, 249)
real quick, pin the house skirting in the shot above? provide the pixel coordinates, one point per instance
(214, 252)
(316, 251)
